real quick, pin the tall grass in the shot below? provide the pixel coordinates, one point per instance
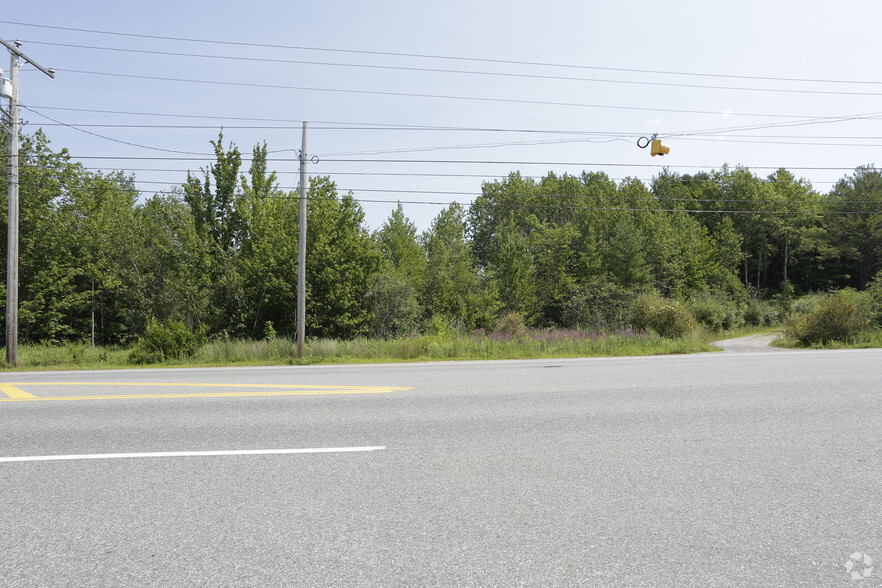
(75, 355)
(530, 344)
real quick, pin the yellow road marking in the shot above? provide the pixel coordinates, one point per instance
(14, 393)
(17, 395)
(194, 395)
(206, 385)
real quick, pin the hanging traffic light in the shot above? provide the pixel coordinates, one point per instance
(658, 148)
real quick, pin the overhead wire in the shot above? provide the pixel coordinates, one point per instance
(486, 177)
(375, 126)
(551, 207)
(442, 57)
(422, 95)
(610, 137)
(540, 195)
(465, 72)
(129, 143)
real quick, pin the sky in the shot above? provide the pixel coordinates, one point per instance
(420, 103)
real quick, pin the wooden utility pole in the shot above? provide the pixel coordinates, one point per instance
(12, 232)
(301, 252)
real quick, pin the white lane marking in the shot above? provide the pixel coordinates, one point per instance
(191, 453)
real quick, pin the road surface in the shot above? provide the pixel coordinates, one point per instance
(750, 469)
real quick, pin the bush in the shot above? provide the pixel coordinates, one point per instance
(806, 304)
(393, 305)
(838, 317)
(511, 324)
(161, 342)
(599, 305)
(666, 317)
(874, 300)
(759, 313)
(712, 312)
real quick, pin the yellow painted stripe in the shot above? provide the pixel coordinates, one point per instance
(198, 395)
(206, 385)
(14, 393)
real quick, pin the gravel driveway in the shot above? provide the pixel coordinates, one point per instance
(750, 343)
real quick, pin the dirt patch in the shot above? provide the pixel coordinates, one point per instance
(751, 343)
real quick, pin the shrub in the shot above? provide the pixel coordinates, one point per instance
(710, 312)
(874, 300)
(666, 317)
(600, 305)
(760, 312)
(512, 324)
(806, 304)
(393, 305)
(838, 317)
(172, 340)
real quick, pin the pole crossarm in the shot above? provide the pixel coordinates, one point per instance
(14, 49)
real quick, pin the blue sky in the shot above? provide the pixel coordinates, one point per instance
(591, 122)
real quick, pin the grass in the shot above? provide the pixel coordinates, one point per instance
(532, 344)
(867, 340)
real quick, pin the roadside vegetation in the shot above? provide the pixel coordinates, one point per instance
(563, 265)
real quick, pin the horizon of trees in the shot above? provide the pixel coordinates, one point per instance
(219, 254)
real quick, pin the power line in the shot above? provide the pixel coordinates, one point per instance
(374, 126)
(115, 140)
(540, 195)
(609, 138)
(442, 57)
(470, 162)
(467, 72)
(417, 95)
(487, 177)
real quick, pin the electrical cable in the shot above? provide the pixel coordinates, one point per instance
(112, 139)
(413, 94)
(615, 197)
(439, 57)
(465, 72)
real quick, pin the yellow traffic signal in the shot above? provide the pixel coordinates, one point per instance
(659, 149)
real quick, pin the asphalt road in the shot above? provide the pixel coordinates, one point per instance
(750, 469)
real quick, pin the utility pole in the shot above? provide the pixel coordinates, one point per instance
(301, 252)
(12, 233)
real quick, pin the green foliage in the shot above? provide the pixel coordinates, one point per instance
(712, 312)
(874, 300)
(341, 259)
(760, 313)
(220, 254)
(168, 341)
(598, 305)
(838, 317)
(454, 291)
(398, 243)
(856, 239)
(625, 255)
(215, 211)
(392, 302)
(511, 323)
(664, 316)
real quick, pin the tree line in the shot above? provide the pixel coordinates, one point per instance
(219, 253)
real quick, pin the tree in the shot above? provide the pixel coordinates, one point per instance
(854, 224)
(392, 302)
(454, 291)
(397, 241)
(214, 212)
(624, 255)
(340, 259)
